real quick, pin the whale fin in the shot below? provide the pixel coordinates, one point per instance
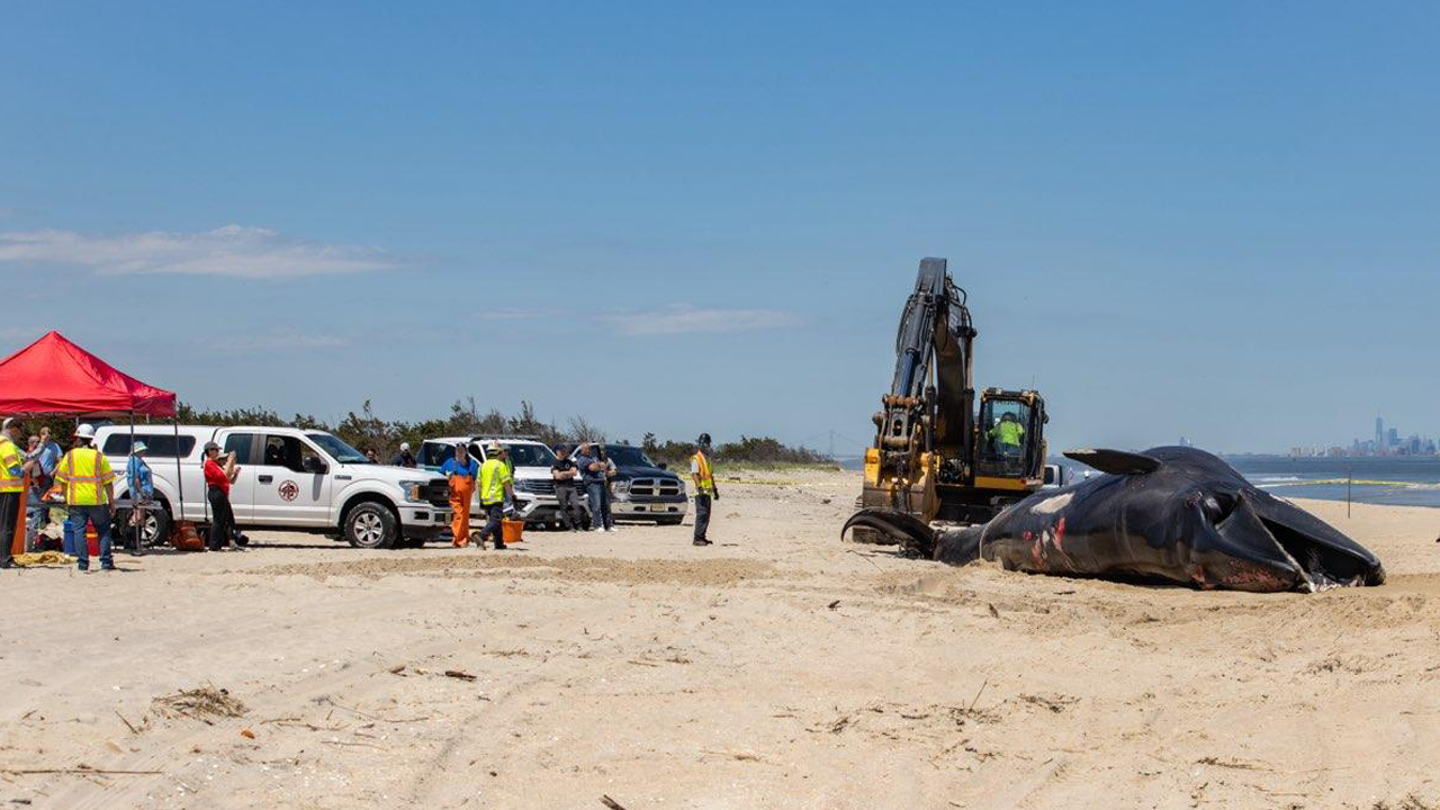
(1117, 462)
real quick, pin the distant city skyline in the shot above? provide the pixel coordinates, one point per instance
(1385, 442)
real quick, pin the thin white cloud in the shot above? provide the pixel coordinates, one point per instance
(280, 340)
(233, 250)
(683, 319)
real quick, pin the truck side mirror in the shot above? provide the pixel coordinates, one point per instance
(315, 465)
(664, 466)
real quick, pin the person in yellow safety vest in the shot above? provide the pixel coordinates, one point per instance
(704, 477)
(496, 485)
(1009, 433)
(12, 487)
(85, 477)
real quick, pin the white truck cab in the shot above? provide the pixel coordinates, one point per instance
(530, 461)
(290, 478)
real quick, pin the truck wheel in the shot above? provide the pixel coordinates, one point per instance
(370, 525)
(154, 528)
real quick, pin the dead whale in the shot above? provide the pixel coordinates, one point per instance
(1171, 514)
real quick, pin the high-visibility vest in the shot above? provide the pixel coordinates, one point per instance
(83, 473)
(1008, 432)
(703, 472)
(494, 475)
(10, 457)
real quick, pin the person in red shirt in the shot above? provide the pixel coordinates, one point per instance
(217, 491)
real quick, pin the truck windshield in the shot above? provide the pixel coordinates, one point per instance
(530, 455)
(627, 456)
(338, 450)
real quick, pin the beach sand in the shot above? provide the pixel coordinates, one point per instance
(778, 668)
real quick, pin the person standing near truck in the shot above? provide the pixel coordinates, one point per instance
(704, 478)
(496, 485)
(592, 475)
(460, 470)
(89, 485)
(12, 487)
(141, 484)
(564, 472)
(218, 479)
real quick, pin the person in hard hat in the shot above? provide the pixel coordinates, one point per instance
(12, 487)
(85, 476)
(704, 478)
(496, 486)
(461, 471)
(1008, 433)
(140, 482)
(404, 458)
(218, 478)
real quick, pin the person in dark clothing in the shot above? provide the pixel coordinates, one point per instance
(566, 474)
(592, 475)
(404, 458)
(218, 479)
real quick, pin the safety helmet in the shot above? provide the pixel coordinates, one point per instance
(494, 447)
(139, 447)
(404, 445)
(85, 431)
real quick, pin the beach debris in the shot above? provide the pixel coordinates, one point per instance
(127, 723)
(200, 704)
(460, 674)
(834, 604)
(611, 803)
(993, 612)
(397, 670)
(82, 768)
(247, 734)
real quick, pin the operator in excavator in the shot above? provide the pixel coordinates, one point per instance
(1008, 435)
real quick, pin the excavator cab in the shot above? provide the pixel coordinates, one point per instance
(1009, 440)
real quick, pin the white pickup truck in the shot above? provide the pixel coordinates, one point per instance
(290, 479)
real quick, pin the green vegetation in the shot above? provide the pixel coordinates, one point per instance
(365, 431)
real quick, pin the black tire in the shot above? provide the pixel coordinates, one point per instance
(371, 525)
(155, 531)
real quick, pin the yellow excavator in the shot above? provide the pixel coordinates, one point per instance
(934, 456)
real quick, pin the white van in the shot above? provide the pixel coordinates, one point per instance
(290, 479)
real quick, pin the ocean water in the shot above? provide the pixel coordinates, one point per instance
(1399, 481)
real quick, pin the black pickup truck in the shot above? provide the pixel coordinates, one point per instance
(644, 490)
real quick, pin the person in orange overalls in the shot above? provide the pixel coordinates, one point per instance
(460, 471)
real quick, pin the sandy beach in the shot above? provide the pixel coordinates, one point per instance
(779, 668)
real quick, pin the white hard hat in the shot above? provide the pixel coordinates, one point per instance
(140, 447)
(85, 431)
(404, 445)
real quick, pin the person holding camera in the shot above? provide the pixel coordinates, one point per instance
(218, 479)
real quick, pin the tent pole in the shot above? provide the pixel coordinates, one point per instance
(179, 476)
(134, 502)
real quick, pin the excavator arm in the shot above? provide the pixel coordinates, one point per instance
(927, 415)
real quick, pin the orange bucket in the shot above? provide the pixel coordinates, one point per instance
(185, 538)
(512, 531)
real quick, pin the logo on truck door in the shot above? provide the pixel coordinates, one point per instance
(289, 490)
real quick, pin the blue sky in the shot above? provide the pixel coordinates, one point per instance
(1216, 220)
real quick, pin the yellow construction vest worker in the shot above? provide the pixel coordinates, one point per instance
(1008, 433)
(700, 467)
(10, 461)
(83, 473)
(494, 475)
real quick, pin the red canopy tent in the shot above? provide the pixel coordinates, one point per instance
(54, 376)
